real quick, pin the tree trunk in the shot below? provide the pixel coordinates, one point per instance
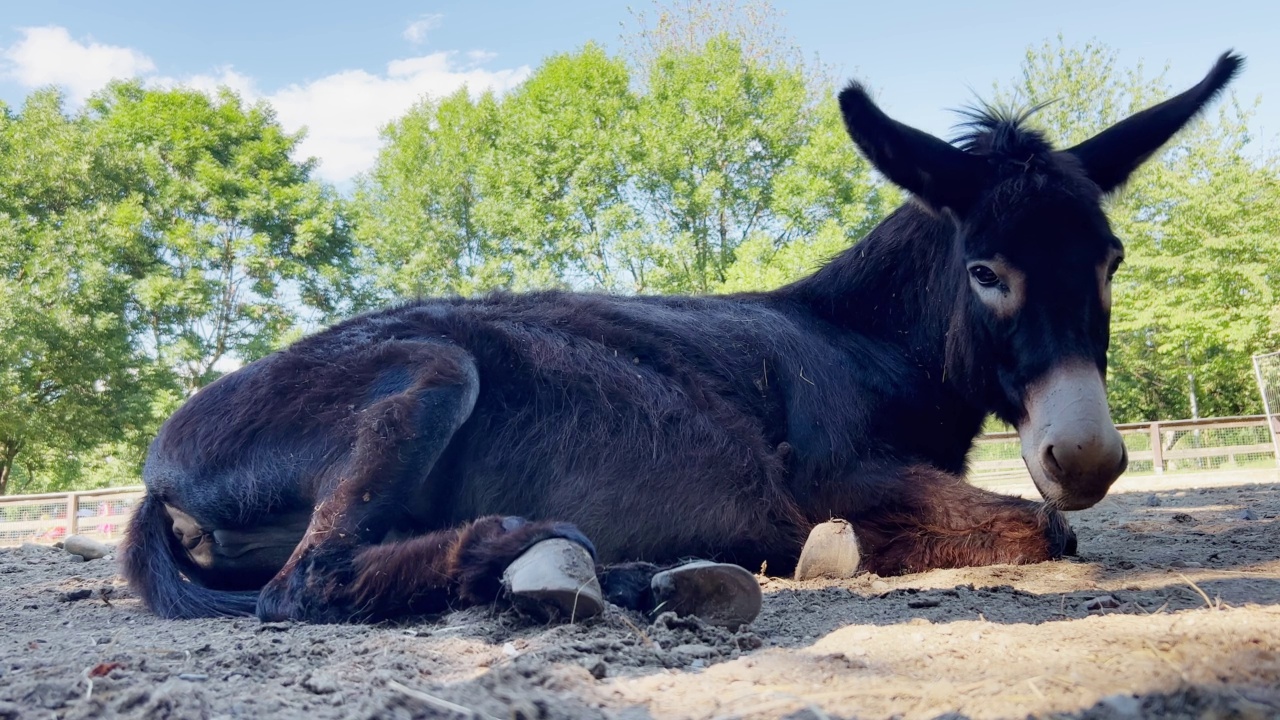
(8, 453)
(1195, 405)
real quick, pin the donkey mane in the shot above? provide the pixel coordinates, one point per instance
(1001, 131)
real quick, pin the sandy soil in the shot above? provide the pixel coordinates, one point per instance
(1171, 610)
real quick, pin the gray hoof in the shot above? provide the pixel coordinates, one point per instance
(831, 551)
(718, 593)
(555, 580)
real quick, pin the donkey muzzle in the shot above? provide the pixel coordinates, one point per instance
(1072, 449)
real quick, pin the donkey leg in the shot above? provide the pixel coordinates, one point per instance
(397, 440)
(333, 571)
(345, 582)
(938, 520)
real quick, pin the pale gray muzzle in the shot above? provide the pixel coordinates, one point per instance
(1070, 445)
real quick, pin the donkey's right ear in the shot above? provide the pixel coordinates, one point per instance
(940, 174)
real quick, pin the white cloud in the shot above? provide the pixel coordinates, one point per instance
(342, 112)
(225, 76)
(416, 32)
(50, 56)
(345, 111)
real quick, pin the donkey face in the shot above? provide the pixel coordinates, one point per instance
(1033, 261)
(1036, 305)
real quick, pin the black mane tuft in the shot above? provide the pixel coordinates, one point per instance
(1001, 132)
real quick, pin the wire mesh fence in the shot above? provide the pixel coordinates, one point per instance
(1154, 448)
(49, 518)
(1266, 369)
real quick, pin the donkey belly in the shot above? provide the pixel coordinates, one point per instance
(687, 488)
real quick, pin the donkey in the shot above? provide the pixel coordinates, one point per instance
(412, 459)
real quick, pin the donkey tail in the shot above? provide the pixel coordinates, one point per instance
(149, 563)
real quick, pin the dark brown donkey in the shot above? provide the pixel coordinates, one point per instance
(400, 462)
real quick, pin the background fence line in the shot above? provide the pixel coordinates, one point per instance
(1170, 446)
(50, 517)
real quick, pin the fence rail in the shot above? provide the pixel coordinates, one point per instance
(1167, 446)
(1174, 446)
(50, 517)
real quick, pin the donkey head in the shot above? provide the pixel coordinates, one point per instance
(1032, 263)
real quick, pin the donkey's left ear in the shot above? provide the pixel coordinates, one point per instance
(1113, 154)
(940, 174)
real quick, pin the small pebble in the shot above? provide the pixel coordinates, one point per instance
(1153, 501)
(598, 669)
(924, 602)
(1102, 601)
(320, 683)
(74, 595)
(879, 586)
(1122, 705)
(693, 650)
(87, 548)
(1182, 518)
(1246, 514)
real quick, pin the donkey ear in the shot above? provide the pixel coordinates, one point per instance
(940, 174)
(1113, 154)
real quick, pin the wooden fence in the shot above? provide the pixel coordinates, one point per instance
(1154, 448)
(1178, 446)
(50, 517)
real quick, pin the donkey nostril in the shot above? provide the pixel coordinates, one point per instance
(1050, 461)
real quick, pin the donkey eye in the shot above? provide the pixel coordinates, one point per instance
(984, 275)
(1115, 265)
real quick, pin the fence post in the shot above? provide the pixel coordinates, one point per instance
(1275, 435)
(1157, 449)
(73, 513)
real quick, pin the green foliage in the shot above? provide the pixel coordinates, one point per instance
(68, 365)
(582, 179)
(1200, 289)
(143, 241)
(225, 221)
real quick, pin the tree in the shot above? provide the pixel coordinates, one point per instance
(644, 173)
(71, 375)
(418, 209)
(556, 191)
(717, 133)
(235, 241)
(144, 241)
(824, 202)
(1200, 288)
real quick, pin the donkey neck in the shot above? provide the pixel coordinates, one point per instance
(901, 285)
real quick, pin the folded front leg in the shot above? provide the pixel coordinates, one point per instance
(345, 582)
(938, 520)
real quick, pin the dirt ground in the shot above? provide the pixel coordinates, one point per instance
(1171, 610)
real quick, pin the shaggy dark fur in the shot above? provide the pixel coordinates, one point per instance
(349, 468)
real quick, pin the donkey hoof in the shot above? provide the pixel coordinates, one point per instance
(555, 579)
(718, 593)
(831, 551)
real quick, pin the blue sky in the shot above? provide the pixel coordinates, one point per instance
(344, 68)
